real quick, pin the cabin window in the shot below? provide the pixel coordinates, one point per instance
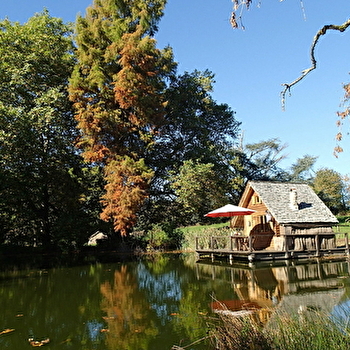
(263, 220)
(256, 200)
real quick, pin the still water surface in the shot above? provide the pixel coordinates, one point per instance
(154, 302)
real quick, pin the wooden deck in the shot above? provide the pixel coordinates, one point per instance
(239, 248)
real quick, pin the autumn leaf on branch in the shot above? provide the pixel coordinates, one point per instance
(126, 190)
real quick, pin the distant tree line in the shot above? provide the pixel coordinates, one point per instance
(98, 131)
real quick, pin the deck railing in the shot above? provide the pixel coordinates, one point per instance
(317, 243)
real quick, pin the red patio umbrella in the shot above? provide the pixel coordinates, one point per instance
(229, 210)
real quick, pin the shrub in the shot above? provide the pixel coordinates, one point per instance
(203, 233)
(163, 236)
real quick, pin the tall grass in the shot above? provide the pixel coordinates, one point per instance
(308, 330)
(203, 233)
(238, 333)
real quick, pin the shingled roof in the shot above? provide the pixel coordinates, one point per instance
(276, 197)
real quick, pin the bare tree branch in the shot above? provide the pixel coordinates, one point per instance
(322, 31)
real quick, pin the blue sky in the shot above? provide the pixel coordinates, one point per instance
(250, 65)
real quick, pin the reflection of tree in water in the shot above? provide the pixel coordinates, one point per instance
(179, 301)
(128, 314)
(153, 304)
(163, 291)
(60, 303)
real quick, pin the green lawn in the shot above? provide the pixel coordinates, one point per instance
(200, 228)
(342, 228)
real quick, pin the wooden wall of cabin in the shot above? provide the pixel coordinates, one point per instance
(300, 243)
(308, 243)
(257, 223)
(259, 219)
(260, 224)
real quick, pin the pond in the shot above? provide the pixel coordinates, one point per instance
(153, 302)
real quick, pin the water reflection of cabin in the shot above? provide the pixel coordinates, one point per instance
(289, 287)
(290, 220)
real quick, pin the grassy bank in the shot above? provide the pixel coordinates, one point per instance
(309, 330)
(166, 237)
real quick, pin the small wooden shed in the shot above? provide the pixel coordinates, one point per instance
(283, 208)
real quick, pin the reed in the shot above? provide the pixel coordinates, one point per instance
(308, 329)
(239, 333)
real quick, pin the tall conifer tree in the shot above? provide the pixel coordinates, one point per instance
(117, 90)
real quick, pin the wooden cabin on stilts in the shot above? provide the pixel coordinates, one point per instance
(289, 221)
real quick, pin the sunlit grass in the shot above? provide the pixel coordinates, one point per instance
(342, 228)
(199, 228)
(204, 232)
(308, 330)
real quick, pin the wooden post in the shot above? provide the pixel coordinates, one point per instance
(317, 242)
(286, 255)
(250, 240)
(319, 270)
(346, 243)
(231, 243)
(196, 242)
(287, 238)
(251, 258)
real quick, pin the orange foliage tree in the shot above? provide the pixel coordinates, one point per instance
(127, 184)
(117, 88)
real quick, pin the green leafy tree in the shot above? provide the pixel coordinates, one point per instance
(117, 89)
(198, 190)
(261, 161)
(38, 163)
(301, 170)
(330, 187)
(197, 129)
(258, 161)
(346, 192)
